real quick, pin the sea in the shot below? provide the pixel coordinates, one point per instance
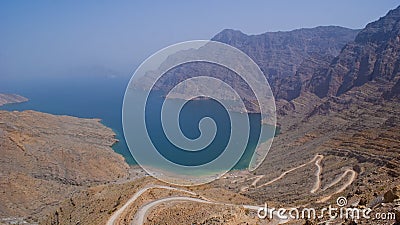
(102, 97)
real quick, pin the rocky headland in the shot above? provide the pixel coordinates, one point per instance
(11, 98)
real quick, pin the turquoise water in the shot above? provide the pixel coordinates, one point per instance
(189, 118)
(101, 97)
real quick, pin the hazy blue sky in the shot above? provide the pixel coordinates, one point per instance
(69, 37)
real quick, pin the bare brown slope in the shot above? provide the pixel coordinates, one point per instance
(44, 158)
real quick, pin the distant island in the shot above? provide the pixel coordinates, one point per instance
(11, 98)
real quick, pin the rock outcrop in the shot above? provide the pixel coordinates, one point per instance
(11, 98)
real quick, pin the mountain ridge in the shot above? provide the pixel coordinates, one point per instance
(279, 54)
(373, 55)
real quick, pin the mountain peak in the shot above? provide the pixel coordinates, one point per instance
(227, 35)
(381, 30)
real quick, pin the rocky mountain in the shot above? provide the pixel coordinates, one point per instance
(11, 98)
(44, 158)
(373, 55)
(340, 129)
(326, 61)
(347, 112)
(280, 54)
(285, 58)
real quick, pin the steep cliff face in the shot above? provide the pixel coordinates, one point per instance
(374, 55)
(280, 54)
(302, 60)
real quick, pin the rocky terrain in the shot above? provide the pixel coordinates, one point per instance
(45, 158)
(349, 113)
(280, 54)
(97, 205)
(373, 55)
(339, 117)
(11, 98)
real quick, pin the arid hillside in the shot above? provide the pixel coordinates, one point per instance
(45, 158)
(340, 132)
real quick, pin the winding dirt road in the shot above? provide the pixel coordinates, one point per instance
(317, 185)
(353, 176)
(142, 212)
(118, 213)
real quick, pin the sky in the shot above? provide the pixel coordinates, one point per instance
(54, 38)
